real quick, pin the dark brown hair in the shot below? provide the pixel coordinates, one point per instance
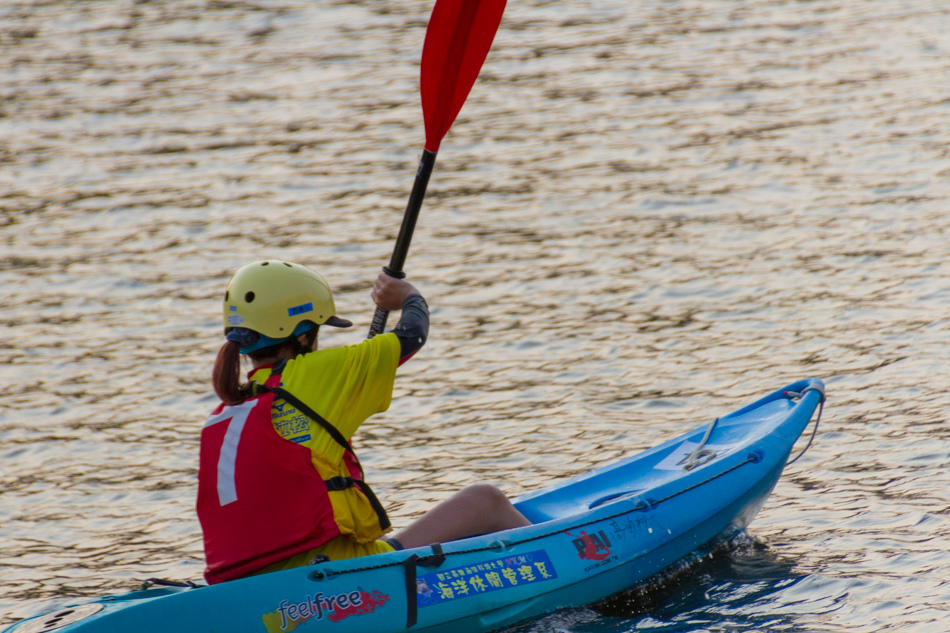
(226, 375)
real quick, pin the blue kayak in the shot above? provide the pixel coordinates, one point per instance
(592, 536)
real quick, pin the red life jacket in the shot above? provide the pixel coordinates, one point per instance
(260, 497)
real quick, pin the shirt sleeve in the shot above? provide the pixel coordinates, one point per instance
(413, 327)
(345, 385)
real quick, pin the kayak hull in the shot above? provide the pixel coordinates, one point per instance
(593, 536)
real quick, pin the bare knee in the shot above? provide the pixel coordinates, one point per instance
(486, 497)
(492, 507)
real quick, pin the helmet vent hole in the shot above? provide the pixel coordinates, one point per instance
(264, 263)
(226, 294)
(249, 297)
(288, 265)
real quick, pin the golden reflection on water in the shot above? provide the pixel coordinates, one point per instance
(645, 216)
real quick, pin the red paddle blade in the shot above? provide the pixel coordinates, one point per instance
(457, 41)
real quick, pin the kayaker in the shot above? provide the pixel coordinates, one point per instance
(278, 483)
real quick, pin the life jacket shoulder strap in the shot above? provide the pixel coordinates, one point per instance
(285, 395)
(336, 483)
(279, 392)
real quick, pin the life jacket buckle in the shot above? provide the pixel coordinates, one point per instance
(339, 483)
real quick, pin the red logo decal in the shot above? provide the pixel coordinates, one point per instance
(592, 546)
(289, 615)
(367, 604)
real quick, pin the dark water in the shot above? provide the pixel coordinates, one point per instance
(647, 214)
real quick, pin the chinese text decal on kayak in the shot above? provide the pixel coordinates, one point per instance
(493, 575)
(291, 614)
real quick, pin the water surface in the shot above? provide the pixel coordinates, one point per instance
(647, 215)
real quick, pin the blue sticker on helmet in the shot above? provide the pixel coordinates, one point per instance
(307, 307)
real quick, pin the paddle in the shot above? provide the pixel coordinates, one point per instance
(457, 40)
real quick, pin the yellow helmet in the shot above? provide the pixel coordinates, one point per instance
(273, 297)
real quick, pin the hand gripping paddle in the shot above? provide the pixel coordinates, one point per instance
(457, 40)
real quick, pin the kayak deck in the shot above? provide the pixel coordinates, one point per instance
(652, 468)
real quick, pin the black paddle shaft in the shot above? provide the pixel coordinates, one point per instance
(401, 250)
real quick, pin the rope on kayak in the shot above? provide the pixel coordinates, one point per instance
(701, 455)
(162, 582)
(814, 431)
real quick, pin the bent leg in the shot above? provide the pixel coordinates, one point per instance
(478, 509)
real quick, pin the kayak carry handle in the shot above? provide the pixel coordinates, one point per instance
(799, 394)
(612, 497)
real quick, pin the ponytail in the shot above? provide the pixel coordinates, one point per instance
(226, 375)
